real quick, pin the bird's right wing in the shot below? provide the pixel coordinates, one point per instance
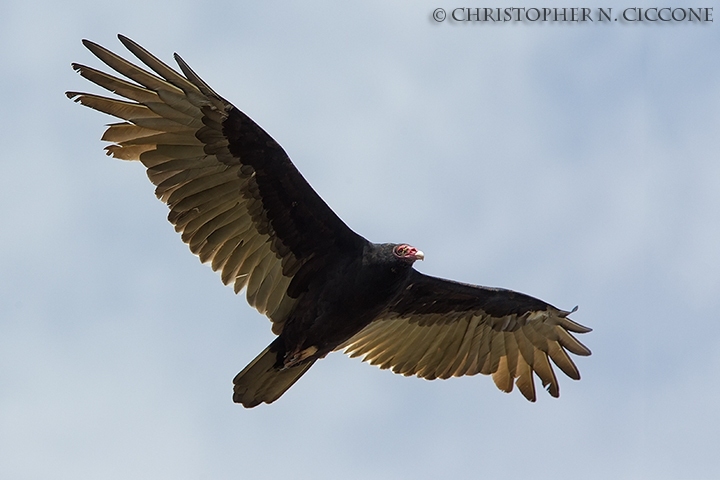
(438, 328)
(233, 193)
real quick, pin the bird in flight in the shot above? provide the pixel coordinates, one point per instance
(241, 205)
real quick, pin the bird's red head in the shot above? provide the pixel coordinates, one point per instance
(408, 252)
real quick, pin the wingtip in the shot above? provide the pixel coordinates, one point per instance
(570, 325)
(565, 313)
(181, 63)
(129, 43)
(92, 46)
(553, 389)
(179, 59)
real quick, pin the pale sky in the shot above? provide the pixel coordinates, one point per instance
(577, 163)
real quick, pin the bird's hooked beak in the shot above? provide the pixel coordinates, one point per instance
(408, 253)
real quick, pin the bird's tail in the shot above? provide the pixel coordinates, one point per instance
(265, 379)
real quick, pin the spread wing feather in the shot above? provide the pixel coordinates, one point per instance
(234, 195)
(438, 329)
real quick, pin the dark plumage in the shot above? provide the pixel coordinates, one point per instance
(240, 204)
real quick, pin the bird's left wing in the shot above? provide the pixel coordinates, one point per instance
(438, 328)
(233, 193)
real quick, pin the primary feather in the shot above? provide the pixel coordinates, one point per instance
(242, 206)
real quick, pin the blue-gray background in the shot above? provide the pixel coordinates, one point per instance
(575, 162)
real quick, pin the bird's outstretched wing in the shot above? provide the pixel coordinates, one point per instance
(233, 193)
(437, 328)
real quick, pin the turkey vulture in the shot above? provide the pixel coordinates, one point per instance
(241, 205)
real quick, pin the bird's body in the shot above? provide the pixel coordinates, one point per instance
(346, 297)
(242, 206)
